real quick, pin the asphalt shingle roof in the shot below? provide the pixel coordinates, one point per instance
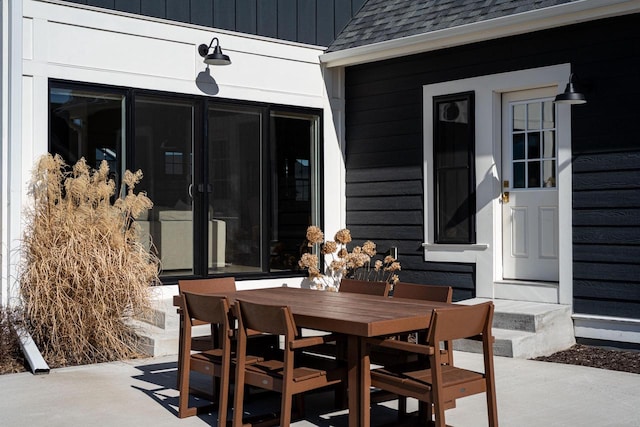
(383, 20)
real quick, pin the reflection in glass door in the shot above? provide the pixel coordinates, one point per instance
(164, 140)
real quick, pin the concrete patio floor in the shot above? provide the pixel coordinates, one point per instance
(142, 392)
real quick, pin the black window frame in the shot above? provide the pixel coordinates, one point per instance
(466, 210)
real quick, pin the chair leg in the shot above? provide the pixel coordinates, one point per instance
(285, 409)
(402, 407)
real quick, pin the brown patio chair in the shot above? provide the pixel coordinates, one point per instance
(214, 362)
(385, 356)
(441, 382)
(427, 293)
(219, 285)
(293, 373)
(364, 287)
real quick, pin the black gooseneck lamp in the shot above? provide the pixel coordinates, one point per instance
(571, 95)
(215, 58)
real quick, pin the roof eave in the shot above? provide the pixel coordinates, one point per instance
(535, 20)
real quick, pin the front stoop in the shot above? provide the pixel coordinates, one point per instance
(525, 330)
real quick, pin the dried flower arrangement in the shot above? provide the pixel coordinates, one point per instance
(358, 264)
(84, 273)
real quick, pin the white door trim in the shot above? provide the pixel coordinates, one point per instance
(487, 252)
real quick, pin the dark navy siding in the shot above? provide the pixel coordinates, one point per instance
(316, 22)
(384, 154)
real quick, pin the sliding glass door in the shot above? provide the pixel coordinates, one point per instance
(234, 185)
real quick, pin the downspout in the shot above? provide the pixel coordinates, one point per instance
(36, 362)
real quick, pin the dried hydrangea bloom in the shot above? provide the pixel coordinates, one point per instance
(314, 235)
(394, 266)
(342, 253)
(308, 261)
(357, 250)
(337, 265)
(369, 248)
(378, 265)
(357, 260)
(314, 272)
(329, 247)
(343, 236)
(395, 279)
(389, 259)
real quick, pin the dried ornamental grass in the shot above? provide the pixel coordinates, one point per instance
(11, 359)
(84, 272)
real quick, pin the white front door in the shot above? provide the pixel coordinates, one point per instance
(530, 248)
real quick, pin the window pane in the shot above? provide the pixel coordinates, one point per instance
(163, 147)
(518, 175)
(293, 210)
(549, 173)
(533, 145)
(518, 146)
(548, 115)
(549, 145)
(519, 117)
(235, 202)
(89, 124)
(534, 116)
(533, 175)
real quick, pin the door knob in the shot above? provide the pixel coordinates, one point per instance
(505, 197)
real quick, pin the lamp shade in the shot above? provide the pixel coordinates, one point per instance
(215, 58)
(570, 95)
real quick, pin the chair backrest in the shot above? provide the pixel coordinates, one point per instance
(462, 321)
(206, 308)
(364, 287)
(422, 292)
(207, 286)
(273, 319)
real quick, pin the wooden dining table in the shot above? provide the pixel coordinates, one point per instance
(358, 317)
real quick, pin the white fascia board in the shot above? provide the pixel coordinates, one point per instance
(536, 20)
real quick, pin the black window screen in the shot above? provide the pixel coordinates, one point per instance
(453, 155)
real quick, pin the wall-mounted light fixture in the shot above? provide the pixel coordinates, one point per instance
(215, 58)
(571, 94)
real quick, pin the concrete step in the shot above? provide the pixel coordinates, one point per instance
(155, 341)
(525, 330)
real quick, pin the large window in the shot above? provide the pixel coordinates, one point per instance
(453, 159)
(234, 185)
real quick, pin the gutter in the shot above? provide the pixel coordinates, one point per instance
(535, 20)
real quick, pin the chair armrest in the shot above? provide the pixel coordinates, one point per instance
(408, 347)
(311, 341)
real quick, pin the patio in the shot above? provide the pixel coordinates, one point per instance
(142, 392)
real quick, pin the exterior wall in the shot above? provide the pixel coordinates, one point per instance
(384, 153)
(306, 21)
(58, 41)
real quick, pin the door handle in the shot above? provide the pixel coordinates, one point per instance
(505, 197)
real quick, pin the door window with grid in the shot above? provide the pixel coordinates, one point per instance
(533, 139)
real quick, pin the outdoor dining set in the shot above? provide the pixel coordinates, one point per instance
(359, 342)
